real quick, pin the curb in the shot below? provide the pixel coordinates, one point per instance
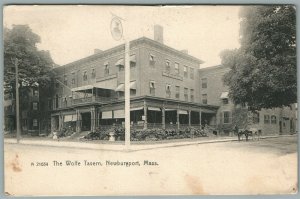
(121, 147)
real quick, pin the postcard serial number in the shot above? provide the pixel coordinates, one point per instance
(42, 164)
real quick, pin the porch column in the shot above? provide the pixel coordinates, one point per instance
(177, 119)
(145, 115)
(200, 117)
(78, 121)
(163, 117)
(60, 122)
(97, 117)
(190, 118)
(53, 124)
(93, 119)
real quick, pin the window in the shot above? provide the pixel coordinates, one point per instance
(57, 85)
(225, 101)
(192, 73)
(204, 82)
(255, 118)
(273, 119)
(106, 69)
(93, 75)
(192, 95)
(120, 64)
(34, 106)
(152, 88)
(65, 80)
(73, 78)
(177, 94)
(34, 122)
(151, 60)
(132, 61)
(266, 119)
(226, 117)
(186, 90)
(168, 90)
(185, 71)
(35, 93)
(204, 98)
(132, 92)
(168, 69)
(84, 76)
(176, 68)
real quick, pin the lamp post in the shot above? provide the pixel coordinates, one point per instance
(16, 63)
(117, 33)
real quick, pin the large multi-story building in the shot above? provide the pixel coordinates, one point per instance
(167, 90)
(164, 88)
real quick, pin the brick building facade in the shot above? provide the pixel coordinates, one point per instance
(269, 121)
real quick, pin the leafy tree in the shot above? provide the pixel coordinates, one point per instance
(263, 70)
(34, 65)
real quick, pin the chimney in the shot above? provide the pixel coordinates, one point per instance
(159, 34)
(185, 51)
(97, 51)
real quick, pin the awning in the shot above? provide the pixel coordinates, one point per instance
(120, 62)
(133, 85)
(132, 58)
(224, 95)
(119, 114)
(70, 118)
(120, 88)
(107, 84)
(137, 108)
(107, 115)
(81, 88)
(153, 109)
(182, 112)
(170, 109)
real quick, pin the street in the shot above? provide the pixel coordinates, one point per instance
(267, 166)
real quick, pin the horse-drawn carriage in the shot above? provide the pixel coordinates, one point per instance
(255, 133)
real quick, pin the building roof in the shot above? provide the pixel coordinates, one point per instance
(133, 43)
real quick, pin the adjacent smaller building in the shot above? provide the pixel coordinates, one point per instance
(269, 121)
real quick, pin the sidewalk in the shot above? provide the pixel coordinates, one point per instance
(119, 146)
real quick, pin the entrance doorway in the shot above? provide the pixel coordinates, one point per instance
(86, 121)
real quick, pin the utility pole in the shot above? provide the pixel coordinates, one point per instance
(117, 33)
(127, 94)
(16, 63)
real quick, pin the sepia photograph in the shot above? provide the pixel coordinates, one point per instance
(161, 100)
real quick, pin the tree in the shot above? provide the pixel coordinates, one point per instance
(34, 65)
(263, 70)
(20, 46)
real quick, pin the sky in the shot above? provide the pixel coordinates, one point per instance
(73, 32)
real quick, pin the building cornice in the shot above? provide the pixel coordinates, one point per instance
(133, 44)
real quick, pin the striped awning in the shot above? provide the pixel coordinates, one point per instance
(70, 118)
(133, 85)
(106, 84)
(182, 112)
(82, 88)
(120, 88)
(137, 108)
(119, 114)
(153, 109)
(120, 62)
(224, 95)
(107, 115)
(132, 58)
